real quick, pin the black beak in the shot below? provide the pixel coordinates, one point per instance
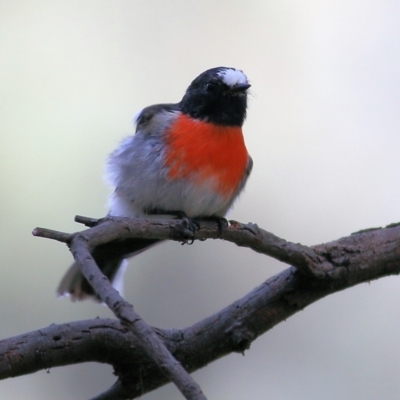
(240, 87)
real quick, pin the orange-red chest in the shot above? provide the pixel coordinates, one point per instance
(203, 151)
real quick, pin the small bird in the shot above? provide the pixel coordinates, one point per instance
(187, 159)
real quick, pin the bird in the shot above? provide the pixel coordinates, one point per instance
(185, 159)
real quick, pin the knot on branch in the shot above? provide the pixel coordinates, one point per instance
(241, 339)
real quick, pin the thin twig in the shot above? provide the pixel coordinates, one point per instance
(87, 221)
(51, 234)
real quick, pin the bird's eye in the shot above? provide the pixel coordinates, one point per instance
(210, 86)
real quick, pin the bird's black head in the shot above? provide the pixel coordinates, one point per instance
(218, 95)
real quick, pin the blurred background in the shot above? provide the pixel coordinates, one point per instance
(322, 128)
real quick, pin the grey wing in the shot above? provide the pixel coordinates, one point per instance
(136, 168)
(154, 119)
(130, 158)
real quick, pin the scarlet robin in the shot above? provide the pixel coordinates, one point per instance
(189, 157)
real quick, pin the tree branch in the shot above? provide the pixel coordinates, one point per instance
(320, 270)
(107, 231)
(129, 318)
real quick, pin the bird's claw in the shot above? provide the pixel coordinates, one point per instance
(190, 226)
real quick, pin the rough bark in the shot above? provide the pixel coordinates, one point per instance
(316, 272)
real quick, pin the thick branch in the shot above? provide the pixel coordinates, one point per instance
(340, 264)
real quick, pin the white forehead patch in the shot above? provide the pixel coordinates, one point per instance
(232, 77)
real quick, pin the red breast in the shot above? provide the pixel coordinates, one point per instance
(202, 150)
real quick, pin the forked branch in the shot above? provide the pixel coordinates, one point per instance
(317, 272)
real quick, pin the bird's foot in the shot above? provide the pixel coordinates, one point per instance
(187, 228)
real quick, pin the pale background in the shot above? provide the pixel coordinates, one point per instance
(323, 130)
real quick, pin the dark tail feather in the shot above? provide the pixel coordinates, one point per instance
(109, 258)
